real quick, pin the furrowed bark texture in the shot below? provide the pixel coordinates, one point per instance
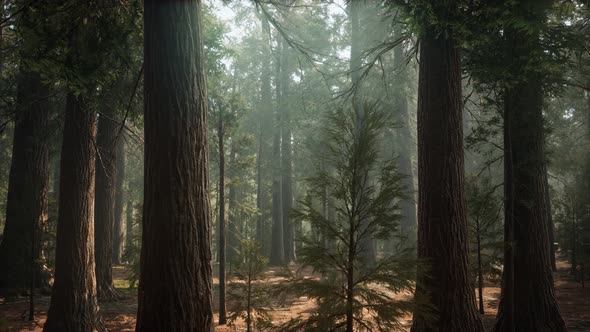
(442, 225)
(175, 282)
(104, 205)
(74, 307)
(26, 207)
(528, 300)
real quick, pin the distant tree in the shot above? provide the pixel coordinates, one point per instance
(346, 293)
(485, 236)
(119, 227)
(277, 250)
(175, 280)
(104, 207)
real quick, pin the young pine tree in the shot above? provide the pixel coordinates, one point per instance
(249, 298)
(352, 294)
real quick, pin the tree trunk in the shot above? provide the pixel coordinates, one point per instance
(550, 226)
(119, 233)
(286, 164)
(129, 228)
(221, 248)
(442, 224)
(528, 302)
(104, 204)
(26, 207)
(74, 307)
(277, 250)
(479, 269)
(175, 277)
(233, 216)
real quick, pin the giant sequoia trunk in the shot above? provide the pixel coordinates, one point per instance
(119, 229)
(527, 302)
(175, 277)
(21, 256)
(442, 224)
(74, 306)
(104, 205)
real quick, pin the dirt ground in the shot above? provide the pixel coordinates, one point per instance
(119, 315)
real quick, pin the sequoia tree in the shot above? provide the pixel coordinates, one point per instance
(26, 209)
(104, 207)
(21, 255)
(528, 300)
(442, 223)
(74, 306)
(175, 274)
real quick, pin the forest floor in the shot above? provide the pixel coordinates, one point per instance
(119, 315)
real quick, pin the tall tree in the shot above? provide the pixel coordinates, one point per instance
(74, 305)
(26, 208)
(119, 228)
(286, 152)
(355, 12)
(175, 275)
(221, 246)
(104, 204)
(442, 224)
(528, 300)
(21, 254)
(277, 250)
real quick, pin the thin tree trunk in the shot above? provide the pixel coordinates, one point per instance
(119, 233)
(479, 269)
(104, 207)
(74, 307)
(550, 226)
(129, 228)
(528, 301)
(266, 106)
(175, 278)
(442, 223)
(221, 248)
(233, 215)
(286, 163)
(26, 206)
(277, 250)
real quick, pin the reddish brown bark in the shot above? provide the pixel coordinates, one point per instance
(442, 225)
(74, 307)
(175, 279)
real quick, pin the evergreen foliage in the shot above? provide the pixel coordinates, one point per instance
(349, 290)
